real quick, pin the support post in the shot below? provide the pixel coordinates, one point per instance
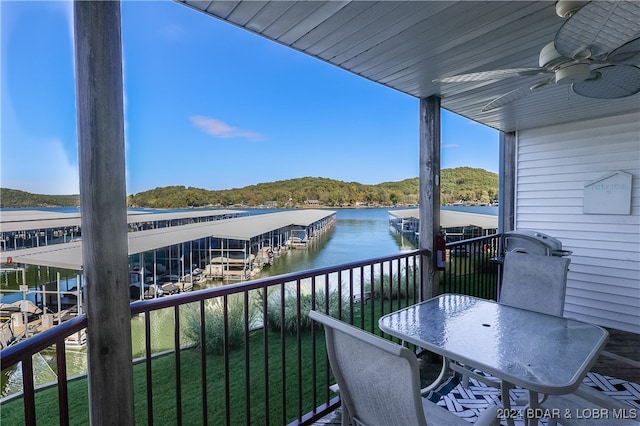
(101, 152)
(507, 182)
(429, 226)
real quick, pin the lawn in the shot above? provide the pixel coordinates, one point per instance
(277, 405)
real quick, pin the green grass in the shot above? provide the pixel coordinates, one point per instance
(164, 389)
(265, 407)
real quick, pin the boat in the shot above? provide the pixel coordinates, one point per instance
(297, 242)
(8, 311)
(264, 257)
(231, 265)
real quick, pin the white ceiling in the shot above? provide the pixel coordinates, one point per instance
(405, 45)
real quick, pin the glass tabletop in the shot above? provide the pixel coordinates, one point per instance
(540, 352)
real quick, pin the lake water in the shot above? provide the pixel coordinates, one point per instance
(359, 234)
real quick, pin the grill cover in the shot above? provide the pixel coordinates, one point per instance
(533, 242)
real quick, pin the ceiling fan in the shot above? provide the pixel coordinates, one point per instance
(595, 52)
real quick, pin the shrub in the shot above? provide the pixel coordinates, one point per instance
(289, 322)
(214, 324)
(392, 287)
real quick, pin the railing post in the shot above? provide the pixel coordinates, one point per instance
(100, 111)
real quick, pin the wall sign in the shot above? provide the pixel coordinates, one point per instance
(609, 194)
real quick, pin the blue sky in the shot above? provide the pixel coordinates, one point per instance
(208, 105)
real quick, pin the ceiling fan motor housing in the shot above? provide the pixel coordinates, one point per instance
(573, 73)
(566, 70)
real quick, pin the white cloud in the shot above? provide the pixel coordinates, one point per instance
(220, 129)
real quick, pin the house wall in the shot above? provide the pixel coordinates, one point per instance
(552, 166)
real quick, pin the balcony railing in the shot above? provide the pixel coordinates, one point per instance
(243, 353)
(470, 268)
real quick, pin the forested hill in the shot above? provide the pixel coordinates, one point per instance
(14, 198)
(468, 185)
(460, 184)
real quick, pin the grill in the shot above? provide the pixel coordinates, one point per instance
(532, 242)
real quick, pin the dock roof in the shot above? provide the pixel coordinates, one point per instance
(452, 218)
(27, 220)
(69, 255)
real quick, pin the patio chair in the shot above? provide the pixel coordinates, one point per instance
(379, 380)
(529, 281)
(534, 282)
(539, 283)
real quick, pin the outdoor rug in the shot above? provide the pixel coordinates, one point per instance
(468, 402)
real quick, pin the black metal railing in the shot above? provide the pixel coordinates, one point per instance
(22, 354)
(471, 267)
(246, 352)
(241, 353)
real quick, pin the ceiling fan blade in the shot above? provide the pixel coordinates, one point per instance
(516, 94)
(626, 54)
(598, 28)
(491, 75)
(610, 82)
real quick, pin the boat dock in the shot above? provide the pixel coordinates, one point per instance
(22, 229)
(249, 233)
(456, 225)
(167, 257)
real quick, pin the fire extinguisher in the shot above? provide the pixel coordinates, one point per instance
(440, 248)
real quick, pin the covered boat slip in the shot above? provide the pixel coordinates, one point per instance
(252, 232)
(227, 249)
(456, 225)
(21, 229)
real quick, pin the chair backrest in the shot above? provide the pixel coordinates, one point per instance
(534, 282)
(378, 379)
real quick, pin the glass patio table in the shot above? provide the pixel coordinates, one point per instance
(542, 353)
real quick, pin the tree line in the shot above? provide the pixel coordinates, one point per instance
(462, 184)
(13, 198)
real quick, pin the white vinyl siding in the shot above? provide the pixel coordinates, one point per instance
(553, 165)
